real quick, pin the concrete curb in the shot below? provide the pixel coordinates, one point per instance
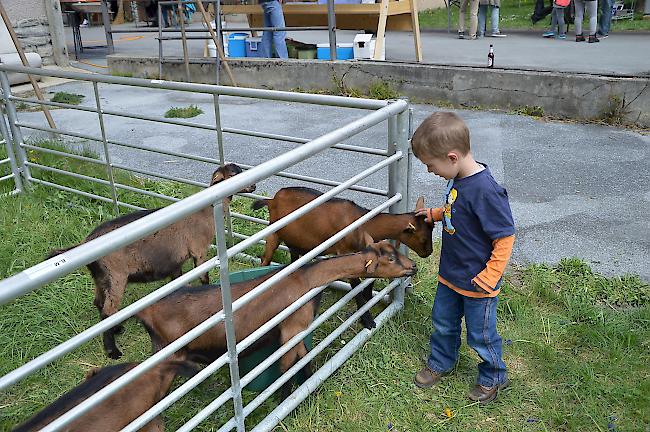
(578, 96)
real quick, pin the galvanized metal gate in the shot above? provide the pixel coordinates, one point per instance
(395, 158)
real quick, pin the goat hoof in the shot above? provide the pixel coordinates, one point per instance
(368, 323)
(114, 354)
(118, 329)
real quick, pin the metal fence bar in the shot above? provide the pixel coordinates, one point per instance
(282, 410)
(11, 156)
(226, 301)
(316, 99)
(260, 242)
(102, 182)
(7, 177)
(107, 156)
(14, 130)
(63, 154)
(52, 104)
(78, 192)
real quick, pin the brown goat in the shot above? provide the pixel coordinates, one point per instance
(117, 410)
(171, 317)
(312, 229)
(155, 257)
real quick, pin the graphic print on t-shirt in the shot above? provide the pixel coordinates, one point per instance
(450, 197)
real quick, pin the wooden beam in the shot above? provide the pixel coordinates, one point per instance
(381, 29)
(217, 42)
(23, 59)
(416, 29)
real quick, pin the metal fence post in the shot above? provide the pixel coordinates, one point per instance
(12, 115)
(160, 41)
(109, 166)
(331, 28)
(106, 19)
(399, 174)
(222, 159)
(226, 298)
(9, 145)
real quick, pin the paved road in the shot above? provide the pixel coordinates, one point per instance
(575, 190)
(620, 54)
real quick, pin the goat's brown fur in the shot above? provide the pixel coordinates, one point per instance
(155, 257)
(122, 407)
(312, 229)
(171, 317)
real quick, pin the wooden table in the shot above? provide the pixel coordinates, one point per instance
(375, 17)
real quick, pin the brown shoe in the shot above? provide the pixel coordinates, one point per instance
(484, 395)
(427, 378)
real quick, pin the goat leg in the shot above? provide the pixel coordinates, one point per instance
(367, 320)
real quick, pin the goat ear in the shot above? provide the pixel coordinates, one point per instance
(410, 228)
(367, 238)
(217, 176)
(185, 368)
(419, 205)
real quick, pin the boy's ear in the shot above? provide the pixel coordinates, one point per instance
(453, 156)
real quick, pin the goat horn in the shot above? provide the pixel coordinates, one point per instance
(411, 226)
(368, 263)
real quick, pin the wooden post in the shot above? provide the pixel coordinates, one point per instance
(415, 20)
(217, 42)
(381, 29)
(23, 59)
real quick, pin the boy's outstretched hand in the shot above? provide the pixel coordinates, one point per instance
(432, 215)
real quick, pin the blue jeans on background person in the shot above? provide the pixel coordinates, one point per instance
(274, 17)
(482, 16)
(605, 20)
(449, 307)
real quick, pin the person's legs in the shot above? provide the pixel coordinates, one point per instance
(605, 17)
(494, 20)
(561, 28)
(473, 18)
(482, 336)
(461, 16)
(273, 9)
(592, 10)
(580, 10)
(445, 340)
(482, 16)
(267, 36)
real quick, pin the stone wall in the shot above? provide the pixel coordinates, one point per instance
(34, 36)
(29, 19)
(568, 95)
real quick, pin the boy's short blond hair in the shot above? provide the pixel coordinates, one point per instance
(439, 134)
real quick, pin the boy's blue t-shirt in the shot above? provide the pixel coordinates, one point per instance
(476, 212)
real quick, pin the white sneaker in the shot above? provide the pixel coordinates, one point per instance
(498, 35)
(84, 23)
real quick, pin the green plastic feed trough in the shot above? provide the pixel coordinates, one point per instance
(249, 362)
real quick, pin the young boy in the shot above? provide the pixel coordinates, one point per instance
(477, 239)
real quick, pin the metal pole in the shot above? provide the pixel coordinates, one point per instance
(15, 130)
(398, 174)
(226, 298)
(9, 144)
(222, 161)
(160, 42)
(107, 26)
(181, 17)
(331, 28)
(109, 166)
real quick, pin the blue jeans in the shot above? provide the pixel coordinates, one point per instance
(482, 16)
(605, 20)
(480, 314)
(273, 17)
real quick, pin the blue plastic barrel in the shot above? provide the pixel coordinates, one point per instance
(237, 44)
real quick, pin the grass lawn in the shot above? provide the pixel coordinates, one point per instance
(515, 15)
(577, 344)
